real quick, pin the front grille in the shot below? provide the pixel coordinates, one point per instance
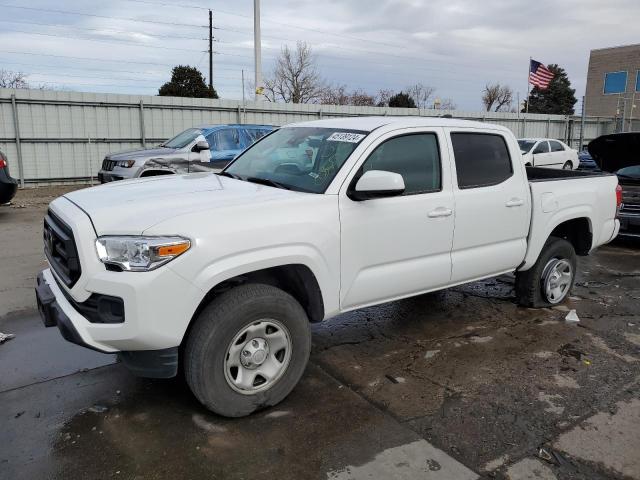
(108, 165)
(60, 249)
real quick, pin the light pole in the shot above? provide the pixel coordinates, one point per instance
(257, 51)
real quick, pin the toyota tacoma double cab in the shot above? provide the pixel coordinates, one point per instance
(222, 273)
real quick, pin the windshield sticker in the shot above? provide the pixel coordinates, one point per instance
(345, 137)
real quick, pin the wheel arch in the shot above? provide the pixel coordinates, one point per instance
(296, 279)
(576, 228)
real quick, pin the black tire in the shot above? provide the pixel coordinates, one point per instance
(567, 165)
(530, 290)
(217, 326)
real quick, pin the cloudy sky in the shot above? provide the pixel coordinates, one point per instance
(456, 46)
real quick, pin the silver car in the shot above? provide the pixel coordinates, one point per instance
(204, 148)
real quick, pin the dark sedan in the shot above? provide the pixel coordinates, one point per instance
(587, 162)
(8, 185)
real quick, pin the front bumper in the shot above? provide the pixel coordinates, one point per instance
(162, 363)
(106, 177)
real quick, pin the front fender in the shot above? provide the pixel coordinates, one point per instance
(239, 263)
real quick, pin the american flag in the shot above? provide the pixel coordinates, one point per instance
(539, 75)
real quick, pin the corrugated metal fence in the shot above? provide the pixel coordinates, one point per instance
(57, 135)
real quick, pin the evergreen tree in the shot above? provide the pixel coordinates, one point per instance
(402, 100)
(558, 99)
(187, 82)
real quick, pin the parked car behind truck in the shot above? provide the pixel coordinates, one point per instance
(224, 272)
(8, 184)
(548, 153)
(208, 147)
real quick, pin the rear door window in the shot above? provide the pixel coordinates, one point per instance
(481, 159)
(556, 146)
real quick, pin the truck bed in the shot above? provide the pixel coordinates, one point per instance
(541, 174)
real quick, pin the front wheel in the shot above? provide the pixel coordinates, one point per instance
(247, 350)
(550, 279)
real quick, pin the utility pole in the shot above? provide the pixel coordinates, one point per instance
(210, 50)
(257, 51)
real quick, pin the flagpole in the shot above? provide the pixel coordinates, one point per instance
(528, 84)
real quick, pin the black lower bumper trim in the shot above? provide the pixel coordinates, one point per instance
(152, 363)
(53, 316)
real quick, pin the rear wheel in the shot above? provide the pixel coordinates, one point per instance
(567, 166)
(550, 279)
(247, 350)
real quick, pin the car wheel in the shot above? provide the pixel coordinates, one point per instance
(549, 281)
(567, 166)
(247, 350)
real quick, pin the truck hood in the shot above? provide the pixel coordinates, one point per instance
(142, 153)
(130, 207)
(616, 151)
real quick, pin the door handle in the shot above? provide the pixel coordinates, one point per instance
(515, 202)
(440, 212)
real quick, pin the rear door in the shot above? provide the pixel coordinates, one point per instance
(541, 154)
(558, 154)
(491, 205)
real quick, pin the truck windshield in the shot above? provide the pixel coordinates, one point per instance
(183, 139)
(298, 158)
(526, 145)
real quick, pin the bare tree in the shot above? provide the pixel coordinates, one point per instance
(339, 95)
(10, 79)
(383, 96)
(295, 78)
(420, 93)
(499, 95)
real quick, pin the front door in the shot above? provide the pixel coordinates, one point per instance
(398, 246)
(541, 155)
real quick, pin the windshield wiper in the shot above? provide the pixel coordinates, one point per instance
(230, 175)
(268, 182)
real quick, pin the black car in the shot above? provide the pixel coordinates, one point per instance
(620, 153)
(8, 185)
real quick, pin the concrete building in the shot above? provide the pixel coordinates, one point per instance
(613, 84)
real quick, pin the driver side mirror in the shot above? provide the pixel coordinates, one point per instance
(377, 184)
(200, 146)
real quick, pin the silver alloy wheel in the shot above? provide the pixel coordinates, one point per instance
(257, 356)
(557, 277)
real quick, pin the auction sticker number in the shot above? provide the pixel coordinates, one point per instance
(345, 137)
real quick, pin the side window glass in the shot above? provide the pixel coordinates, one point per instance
(225, 140)
(481, 159)
(556, 146)
(416, 157)
(543, 147)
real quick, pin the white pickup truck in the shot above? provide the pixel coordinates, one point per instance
(224, 272)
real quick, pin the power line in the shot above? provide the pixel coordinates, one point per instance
(109, 42)
(82, 14)
(60, 25)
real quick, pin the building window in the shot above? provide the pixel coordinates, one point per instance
(615, 82)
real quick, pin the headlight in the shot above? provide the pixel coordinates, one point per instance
(126, 163)
(140, 254)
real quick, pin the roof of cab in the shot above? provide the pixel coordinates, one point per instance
(369, 124)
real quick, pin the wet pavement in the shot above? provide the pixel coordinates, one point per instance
(451, 385)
